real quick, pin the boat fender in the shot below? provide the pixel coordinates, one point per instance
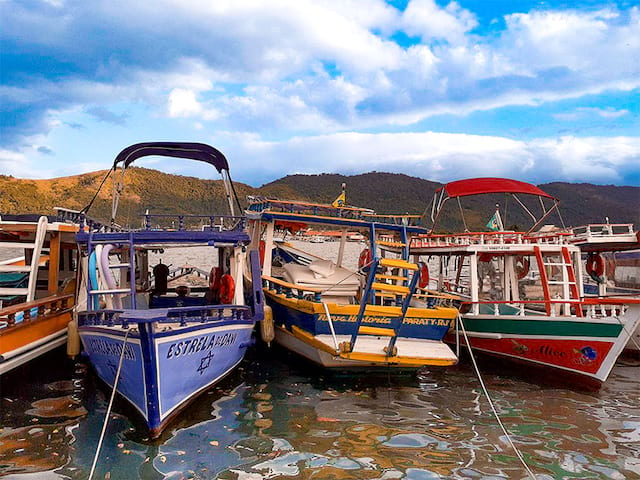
(227, 288)
(267, 331)
(365, 258)
(93, 279)
(73, 339)
(108, 277)
(212, 296)
(261, 247)
(423, 281)
(595, 267)
(522, 266)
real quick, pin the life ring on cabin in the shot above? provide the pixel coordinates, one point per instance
(423, 281)
(365, 258)
(227, 288)
(595, 267)
(485, 257)
(261, 247)
(522, 266)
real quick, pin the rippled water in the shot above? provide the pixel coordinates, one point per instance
(279, 418)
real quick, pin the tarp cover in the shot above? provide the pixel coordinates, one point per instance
(477, 186)
(193, 151)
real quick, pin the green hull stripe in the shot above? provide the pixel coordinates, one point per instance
(543, 327)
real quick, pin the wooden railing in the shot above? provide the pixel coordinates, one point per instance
(593, 307)
(45, 306)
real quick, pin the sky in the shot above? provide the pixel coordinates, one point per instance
(539, 91)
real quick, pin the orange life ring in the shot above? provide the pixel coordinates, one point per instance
(227, 288)
(522, 266)
(365, 258)
(423, 281)
(485, 257)
(595, 266)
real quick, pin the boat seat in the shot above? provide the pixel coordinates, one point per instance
(343, 282)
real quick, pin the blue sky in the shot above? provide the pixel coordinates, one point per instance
(539, 91)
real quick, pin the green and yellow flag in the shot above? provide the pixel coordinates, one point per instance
(341, 201)
(495, 222)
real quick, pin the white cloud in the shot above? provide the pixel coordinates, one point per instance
(608, 113)
(426, 19)
(446, 157)
(14, 163)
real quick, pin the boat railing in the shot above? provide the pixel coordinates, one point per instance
(435, 298)
(408, 220)
(487, 238)
(36, 308)
(600, 230)
(171, 222)
(591, 307)
(184, 315)
(291, 290)
(259, 204)
(185, 222)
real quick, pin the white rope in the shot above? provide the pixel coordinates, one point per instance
(333, 332)
(486, 393)
(360, 270)
(626, 330)
(106, 418)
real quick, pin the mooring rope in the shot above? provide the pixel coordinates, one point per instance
(626, 330)
(486, 393)
(106, 417)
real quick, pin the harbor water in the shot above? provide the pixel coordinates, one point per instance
(277, 417)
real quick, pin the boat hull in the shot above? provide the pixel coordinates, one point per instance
(586, 347)
(162, 371)
(28, 338)
(303, 327)
(311, 317)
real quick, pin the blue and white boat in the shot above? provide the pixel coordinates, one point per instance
(374, 317)
(157, 342)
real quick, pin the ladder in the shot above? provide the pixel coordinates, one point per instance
(94, 248)
(568, 282)
(31, 268)
(401, 290)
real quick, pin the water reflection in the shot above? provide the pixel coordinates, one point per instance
(276, 418)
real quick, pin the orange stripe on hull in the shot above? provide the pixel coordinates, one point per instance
(25, 333)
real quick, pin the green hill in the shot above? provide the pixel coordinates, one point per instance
(384, 192)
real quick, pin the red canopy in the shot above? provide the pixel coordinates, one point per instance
(476, 186)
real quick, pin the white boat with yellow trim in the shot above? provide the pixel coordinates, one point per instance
(337, 317)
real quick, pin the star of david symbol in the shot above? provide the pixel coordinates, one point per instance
(205, 362)
(112, 367)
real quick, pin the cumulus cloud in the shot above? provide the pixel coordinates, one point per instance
(445, 157)
(290, 68)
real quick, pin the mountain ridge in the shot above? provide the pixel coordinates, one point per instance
(386, 193)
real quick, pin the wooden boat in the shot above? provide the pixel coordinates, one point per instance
(36, 287)
(170, 343)
(340, 318)
(521, 292)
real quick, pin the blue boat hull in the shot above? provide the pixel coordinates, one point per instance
(161, 371)
(287, 312)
